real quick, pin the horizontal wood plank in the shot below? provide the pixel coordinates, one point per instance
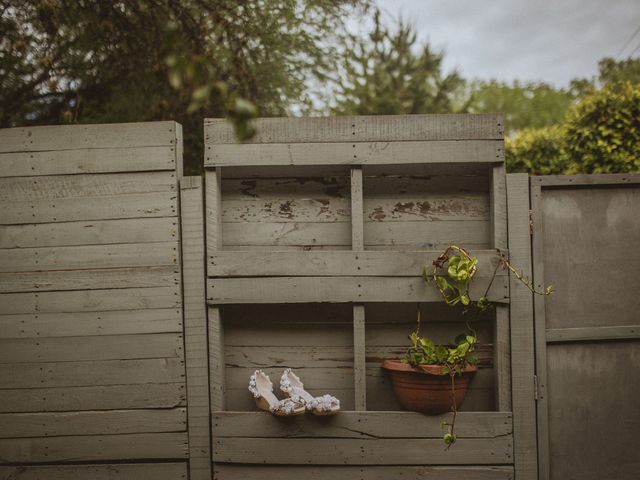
(94, 447)
(108, 278)
(82, 324)
(88, 160)
(356, 153)
(137, 205)
(89, 373)
(137, 471)
(342, 289)
(90, 300)
(586, 334)
(89, 257)
(31, 189)
(363, 451)
(105, 347)
(429, 235)
(258, 234)
(585, 179)
(339, 263)
(363, 128)
(229, 471)
(99, 232)
(109, 397)
(73, 137)
(108, 422)
(360, 425)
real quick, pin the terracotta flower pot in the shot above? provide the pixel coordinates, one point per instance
(426, 389)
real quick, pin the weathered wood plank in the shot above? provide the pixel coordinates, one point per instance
(473, 234)
(87, 160)
(89, 373)
(427, 207)
(522, 331)
(73, 137)
(137, 471)
(342, 289)
(337, 263)
(82, 324)
(363, 128)
(230, 471)
(357, 209)
(623, 332)
(118, 278)
(100, 232)
(94, 447)
(361, 425)
(356, 153)
(110, 397)
(109, 422)
(217, 376)
(312, 185)
(195, 326)
(89, 257)
(502, 363)
(443, 182)
(31, 189)
(105, 347)
(584, 179)
(90, 300)
(138, 205)
(286, 210)
(363, 451)
(498, 198)
(359, 359)
(213, 206)
(277, 234)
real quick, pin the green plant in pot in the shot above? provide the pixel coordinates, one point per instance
(433, 378)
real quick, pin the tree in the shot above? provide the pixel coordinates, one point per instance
(600, 134)
(382, 74)
(526, 105)
(88, 61)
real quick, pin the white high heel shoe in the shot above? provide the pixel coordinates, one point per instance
(291, 385)
(262, 389)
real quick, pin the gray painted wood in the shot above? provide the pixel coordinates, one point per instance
(109, 422)
(357, 207)
(522, 332)
(340, 289)
(83, 324)
(216, 360)
(361, 425)
(195, 326)
(90, 300)
(356, 153)
(94, 447)
(537, 256)
(229, 471)
(105, 347)
(559, 335)
(334, 263)
(362, 451)
(102, 397)
(359, 360)
(363, 128)
(138, 471)
(502, 362)
(101, 232)
(73, 137)
(577, 180)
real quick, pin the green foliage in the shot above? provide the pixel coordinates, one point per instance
(526, 105)
(88, 61)
(600, 134)
(453, 358)
(383, 75)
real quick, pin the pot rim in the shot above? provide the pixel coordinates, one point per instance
(397, 365)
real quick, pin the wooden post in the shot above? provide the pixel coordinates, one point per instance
(195, 327)
(357, 244)
(213, 202)
(522, 345)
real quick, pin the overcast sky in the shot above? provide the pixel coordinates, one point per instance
(553, 41)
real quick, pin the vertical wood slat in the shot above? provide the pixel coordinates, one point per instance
(213, 203)
(522, 332)
(357, 244)
(537, 247)
(499, 238)
(195, 327)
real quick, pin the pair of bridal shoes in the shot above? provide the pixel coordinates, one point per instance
(298, 399)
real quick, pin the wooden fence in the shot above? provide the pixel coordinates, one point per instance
(91, 330)
(135, 303)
